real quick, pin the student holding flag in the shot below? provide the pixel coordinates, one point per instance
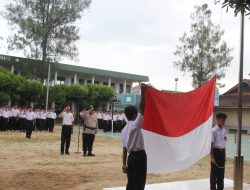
(134, 165)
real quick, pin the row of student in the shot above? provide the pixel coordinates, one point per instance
(12, 119)
(105, 121)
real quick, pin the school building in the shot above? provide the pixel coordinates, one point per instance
(228, 104)
(74, 74)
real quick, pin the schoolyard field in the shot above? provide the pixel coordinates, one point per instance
(36, 164)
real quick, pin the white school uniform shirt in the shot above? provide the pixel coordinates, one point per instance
(14, 112)
(219, 137)
(99, 115)
(115, 117)
(30, 115)
(22, 114)
(120, 117)
(132, 137)
(43, 115)
(6, 114)
(67, 118)
(53, 115)
(105, 117)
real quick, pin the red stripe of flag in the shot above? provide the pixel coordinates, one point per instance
(175, 115)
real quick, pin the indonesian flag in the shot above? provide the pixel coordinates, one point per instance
(177, 127)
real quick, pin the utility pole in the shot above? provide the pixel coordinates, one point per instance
(239, 159)
(176, 84)
(47, 92)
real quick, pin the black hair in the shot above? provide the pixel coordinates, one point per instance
(130, 112)
(221, 116)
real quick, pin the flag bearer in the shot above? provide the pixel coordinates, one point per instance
(135, 165)
(218, 153)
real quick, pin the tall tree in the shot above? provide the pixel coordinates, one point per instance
(202, 53)
(45, 29)
(238, 6)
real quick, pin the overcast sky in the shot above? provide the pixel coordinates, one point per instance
(140, 36)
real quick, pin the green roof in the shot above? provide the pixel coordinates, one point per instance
(101, 72)
(80, 69)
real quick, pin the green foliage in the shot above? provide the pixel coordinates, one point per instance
(77, 93)
(57, 94)
(13, 87)
(31, 91)
(99, 95)
(4, 97)
(242, 6)
(45, 29)
(18, 88)
(203, 53)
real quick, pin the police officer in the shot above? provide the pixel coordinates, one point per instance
(218, 153)
(67, 129)
(89, 131)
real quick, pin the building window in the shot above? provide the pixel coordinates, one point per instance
(81, 81)
(121, 88)
(72, 81)
(89, 81)
(16, 72)
(128, 89)
(60, 80)
(105, 83)
(113, 85)
(97, 82)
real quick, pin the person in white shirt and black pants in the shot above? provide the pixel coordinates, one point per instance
(135, 165)
(30, 116)
(67, 129)
(218, 153)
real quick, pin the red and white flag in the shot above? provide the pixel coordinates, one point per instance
(177, 127)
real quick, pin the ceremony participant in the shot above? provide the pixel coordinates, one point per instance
(5, 119)
(99, 119)
(30, 116)
(121, 121)
(89, 130)
(218, 153)
(105, 119)
(115, 122)
(13, 118)
(43, 116)
(51, 117)
(38, 118)
(22, 120)
(1, 118)
(67, 129)
(135, 165)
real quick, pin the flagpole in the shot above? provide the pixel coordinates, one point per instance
(239, 159)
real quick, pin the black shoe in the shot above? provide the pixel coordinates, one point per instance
(62, 153)
(84, 154)
(91, 154)
(67, 153)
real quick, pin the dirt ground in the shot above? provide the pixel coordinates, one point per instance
(36, 164)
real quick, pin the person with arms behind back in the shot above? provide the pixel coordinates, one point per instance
(135, 164)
